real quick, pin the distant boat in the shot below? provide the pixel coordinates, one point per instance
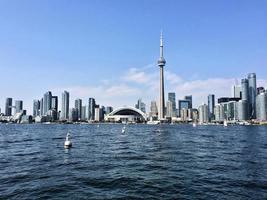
(225, 124)
(67, 143)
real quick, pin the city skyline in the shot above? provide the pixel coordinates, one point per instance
(43, 50)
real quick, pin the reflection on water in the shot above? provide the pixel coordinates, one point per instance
(146, 161)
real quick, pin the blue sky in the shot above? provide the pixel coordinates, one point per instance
(108, 48)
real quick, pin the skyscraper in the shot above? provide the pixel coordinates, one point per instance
(190, 99)
(203, 114)
(8, 107)
(161, 64)
(91, 109)
(141, 105)
(65, 105)
(78, 106)
(261, 102)
(169, 109)
(109, 109)
(36, 108)
(54, 104)
(83, 114)
(42, 107)
(153, 109)
(18, 106)
(211, 105)
(245, 97)
(47, 103)
(171, 98)
(236, 91)
(252, 92)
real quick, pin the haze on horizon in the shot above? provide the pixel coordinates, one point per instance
(108, 49)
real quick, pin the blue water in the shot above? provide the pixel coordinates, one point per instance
(146, 162)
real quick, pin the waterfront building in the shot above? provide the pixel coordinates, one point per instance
(83, 113)
(47, 102)
(74, 115)
(211, 104)
(141, 105)
(245, 93)
(42, 107)
(261, 106)
(91, 109)
(54, 103)
(8, 107)
(190, 100)
(184, 114)
(183, 104)
(153, 109)
(161, 64)
(65, 106)
(242, 110)
(171, 98)
(236, 91)
(252, 92)
(78, 106)
(18, 106)
(97, 113)
(169, 112)
(126, 114)
(109, 109)
(36, 108)
(203, 114)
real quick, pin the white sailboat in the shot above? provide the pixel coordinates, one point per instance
(225, 124)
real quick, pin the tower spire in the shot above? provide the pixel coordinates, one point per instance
(161, 64)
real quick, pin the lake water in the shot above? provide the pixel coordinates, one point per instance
(145, 162)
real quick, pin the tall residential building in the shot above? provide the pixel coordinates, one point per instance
(54, 104)
(78, 106)
(42, 107)
(97, 112)
(252, 92)
(36, 108)
(211, 105)
(161, 64)
(74, 114)
(190, 99)
(183, 104)
(18, 106)
(245, 95)
(83, 114)
(203, 114)
(47, 102)
(109, 109)
(8, 107)
(91, 109)
(141, 105)
(244, 89)
(65, 105)
(171, 98)
(169, 112)
(236, 91)
(242, 110)
(153, 109)
(261, 106)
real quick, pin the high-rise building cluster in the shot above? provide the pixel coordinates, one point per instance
(246, 103)
(47, 110)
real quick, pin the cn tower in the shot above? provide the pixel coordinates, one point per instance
(161, 64)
